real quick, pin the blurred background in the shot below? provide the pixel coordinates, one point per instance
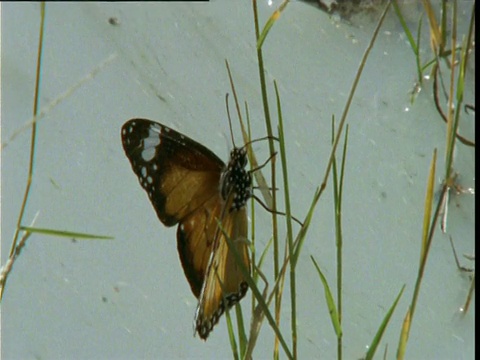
(128, 298)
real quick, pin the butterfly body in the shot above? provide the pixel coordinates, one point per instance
(189, 185)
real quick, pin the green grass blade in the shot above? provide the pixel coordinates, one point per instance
(231, 335)
(427, 235)
(332, 309)
(428, 207)
(262, 257)
(273, 18)
(378, 336)
(67, 234)
(407, 31)
(242, 335)
(288, 220)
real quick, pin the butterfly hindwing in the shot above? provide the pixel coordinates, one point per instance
(195, 237)
(224, 284)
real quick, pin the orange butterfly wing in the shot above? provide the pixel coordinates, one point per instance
(195, 237)
(224, 284)
(177, 173)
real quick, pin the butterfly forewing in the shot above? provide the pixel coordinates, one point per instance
(177, 173)
(189, 185)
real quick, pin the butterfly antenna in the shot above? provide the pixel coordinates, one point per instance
(229, 119)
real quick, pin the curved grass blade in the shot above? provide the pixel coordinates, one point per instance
(332, 309)
(274, 17)
(402, 346)
(427, 235)
(383, 326)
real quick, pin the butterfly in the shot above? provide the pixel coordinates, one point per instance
(189, 185)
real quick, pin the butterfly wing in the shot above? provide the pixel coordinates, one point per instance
(195, 236)
(178, 174)
(224, 284)
(181, 178)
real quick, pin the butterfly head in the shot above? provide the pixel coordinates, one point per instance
(236, 180)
